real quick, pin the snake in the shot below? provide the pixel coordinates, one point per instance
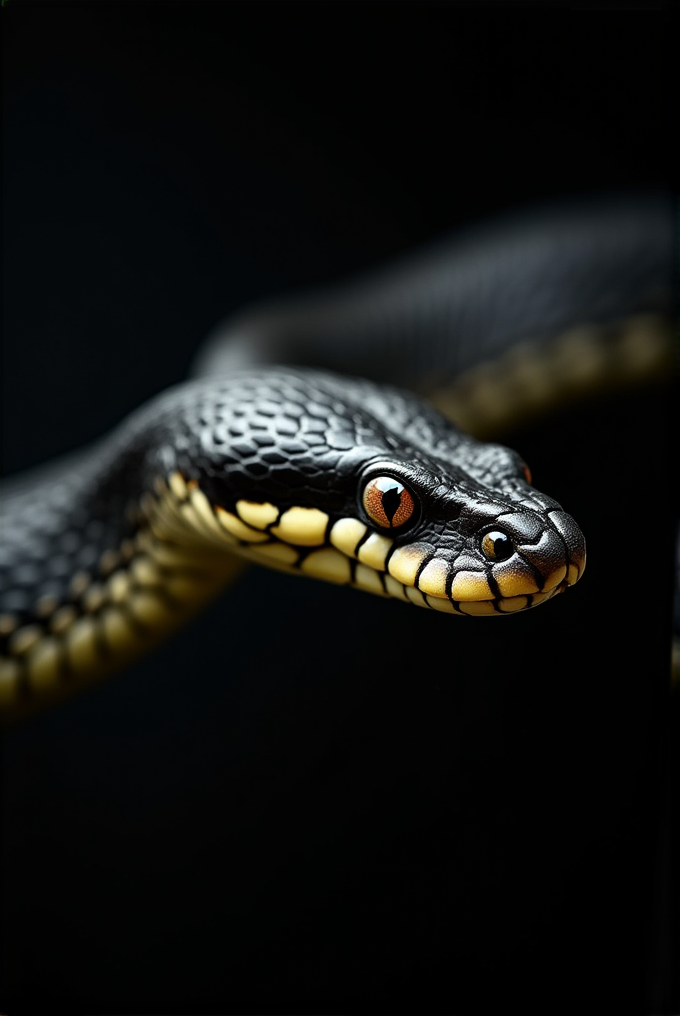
(347, 435)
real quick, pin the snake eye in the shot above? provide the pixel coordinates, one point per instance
(387, 502)
(527, 473)
(497, 545)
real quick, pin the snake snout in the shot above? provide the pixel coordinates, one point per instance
(531, 552)
(574, 544)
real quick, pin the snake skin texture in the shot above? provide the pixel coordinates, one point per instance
(292, 437)
(122, 542)
(435, 315)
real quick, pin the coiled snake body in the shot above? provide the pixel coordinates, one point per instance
(348, 479)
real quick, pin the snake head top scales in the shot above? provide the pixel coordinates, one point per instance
(360, 485)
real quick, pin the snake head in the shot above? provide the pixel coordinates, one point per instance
(433, 540)
(448, 543)
(390, 498)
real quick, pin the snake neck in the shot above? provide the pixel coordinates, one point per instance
(93, 574)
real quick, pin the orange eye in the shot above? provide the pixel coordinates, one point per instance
(527, 473)
(388, 502)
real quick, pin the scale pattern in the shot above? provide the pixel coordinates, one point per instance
(106, 551)
(114, 548)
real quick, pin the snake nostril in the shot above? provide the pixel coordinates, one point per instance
(497, 545)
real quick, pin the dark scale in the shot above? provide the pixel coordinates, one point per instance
(326, 433)
(59, 540)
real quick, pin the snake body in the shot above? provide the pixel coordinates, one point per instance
(274, 456)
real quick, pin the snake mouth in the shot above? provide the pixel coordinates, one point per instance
(484, 608)
(478, 607)
(519, 566)
(421, 574)
(346, 551)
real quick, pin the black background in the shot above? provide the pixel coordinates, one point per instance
(313, 800)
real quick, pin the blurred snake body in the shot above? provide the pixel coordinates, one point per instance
(305, 443)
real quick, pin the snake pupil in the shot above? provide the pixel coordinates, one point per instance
(388, 502)
(500, 546)
(391, 500)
